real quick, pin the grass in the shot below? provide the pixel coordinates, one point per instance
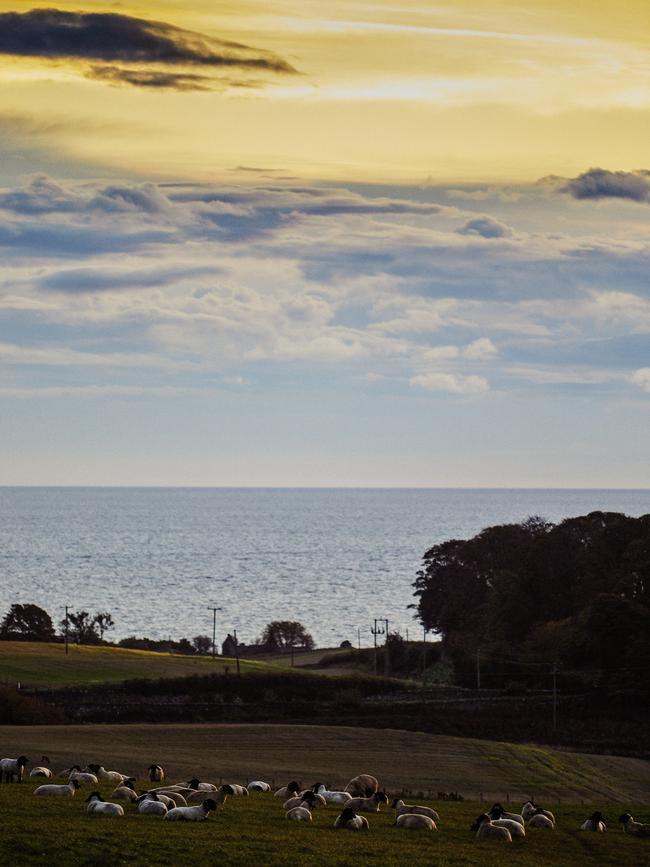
(253, 830)
(414, 761)
(40, 664)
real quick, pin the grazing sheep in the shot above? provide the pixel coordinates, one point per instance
(416, 822)
(96, 804)
(369, 804)
(496, 811)
(52, 789)
(349, 819)
(299, 814)
(595, 822)
(219, 796)
(486, 830)
(106, 776)
(156, 774)
(10, 768)
(400, 808)
(42, 770)
(287, 791)
(541, 819)
(192, 814)
(637, 829)
(152, 804)
(82, 776)
(238, 790)
(516, 828)
(125, 792)
(362, 786)
(258, 786)
(332, 797)
(307, 799)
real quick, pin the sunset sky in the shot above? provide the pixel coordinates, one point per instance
(325, 243)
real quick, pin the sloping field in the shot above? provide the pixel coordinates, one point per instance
(40, 664)
(409, 761)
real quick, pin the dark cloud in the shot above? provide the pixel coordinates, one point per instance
(486, 227)
(44, 196)
(59, 35)
(603, 184)
(88, 280)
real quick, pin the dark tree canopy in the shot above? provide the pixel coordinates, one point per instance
(281, 634)
(578, 591)
(27, 622)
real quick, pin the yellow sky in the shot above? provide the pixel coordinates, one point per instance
(388, 91)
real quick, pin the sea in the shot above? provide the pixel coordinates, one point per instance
(334, 559)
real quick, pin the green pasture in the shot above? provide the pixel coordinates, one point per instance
(248, 831)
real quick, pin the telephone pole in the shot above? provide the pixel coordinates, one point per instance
(65, 631)
(386, 660)
(376, 630)
(236, 650)
(214, 610)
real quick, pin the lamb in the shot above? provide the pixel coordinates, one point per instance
(291, 788)
(219, 796)
(349, 819)
(637, 829)
(96, 804)
(368, 805)
(107, 776)
(416, 822)
(67, 790)
(486, 830)
(192, 814)
(400, 808)
(125, 792)
(42, 770)
(10, 768)
(541, 819)
(331, 797)
(156, 774)
(151, 804)
(362, 786)
(258, 786)
(496, 811)
(595, 822)
(82, 776)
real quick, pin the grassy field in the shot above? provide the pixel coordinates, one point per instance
(39, 664)
(254, 831)
(413, 761)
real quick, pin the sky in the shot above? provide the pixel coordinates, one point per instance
(325, 244)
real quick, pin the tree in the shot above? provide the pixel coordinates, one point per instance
(81, 627)
(202, 644)
(27, 622)
(103, 620)
(284, 634)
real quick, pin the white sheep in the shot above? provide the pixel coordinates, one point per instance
(299, 814)
(156, 774)
(486, 830)
(219, 796)
(176, 797)
(416, 822)
(530, 808)
(238, 790)
(96, 804)
(151, 804)
(637, 829)
(192, 814)
(42, 770)
(362, 786)
(331, 797)
(307, 799)
(287, 791)
(368, 805)
(496, 811)
(541, 819)
(106, 776)
(258, 786)
(401, 808)
(82, 776)
(125, 792)
(595, 822)
(198, 786)
(516, 828)
(349, 819)
(10, 768)
(67, 790)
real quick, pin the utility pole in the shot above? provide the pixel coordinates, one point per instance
(236, 650)
(65, 631)
(555, 696)
(386, 660)
(376, 631)
(478, 667)
(214, 610)
(424, 651)
(359, 637)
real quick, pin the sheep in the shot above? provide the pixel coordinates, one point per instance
(258, 786)
(299, 814)
(595, 822)
(125, 792)
(191, 814)
(198, 786)
(530, 808)
(106, 776)
(637, 829)
(219, 796)
(330, 796)
(151, 804)
(176, 797)
(516, 828)
(349, 819)
(416, 822)
(156, 774)
(238, 790)
(82, 776)
(400, 807)
(291, 788)
(486, 830)
(368, 805)
(307, 799)
(362, 786)
(42, 770)
(10, 768)
(541, 819)
(496, 811)
(67, 790)
(96, 804)
(151, 795)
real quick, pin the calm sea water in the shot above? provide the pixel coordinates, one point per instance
(333, 559)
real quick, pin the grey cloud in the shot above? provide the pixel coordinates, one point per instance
(602, 184)
(42, 195)
(146, 78)
(486, 227)
(88, 280)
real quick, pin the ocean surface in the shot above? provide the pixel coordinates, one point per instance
(333, 559)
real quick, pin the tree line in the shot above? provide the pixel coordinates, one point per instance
(520, 600)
